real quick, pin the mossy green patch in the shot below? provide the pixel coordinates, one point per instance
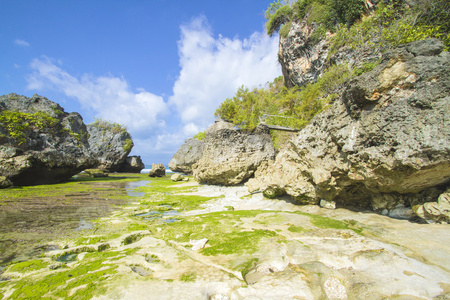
(80, 282)
(245, 267)
(96, 239)
(222, 229)
(296, 229)
(28, 266)
(77, 185)
(188, 277)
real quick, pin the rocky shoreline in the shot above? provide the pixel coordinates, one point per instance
(255, 248)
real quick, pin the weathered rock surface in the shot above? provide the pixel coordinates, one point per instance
(157, 170)
(176, 177)
(132, 164)
(438, 211)
(303, 59)
(229, 156)
(385, 142)
(109, 147)
(187, 155)
(39, 142)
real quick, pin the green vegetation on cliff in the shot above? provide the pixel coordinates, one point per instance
(115, 128)
(355, 24)
(278, 105)
(16, 126)
(360, 23)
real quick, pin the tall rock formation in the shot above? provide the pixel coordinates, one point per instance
(385, 142)
(230, 156)
(39, 142)
(110, 144)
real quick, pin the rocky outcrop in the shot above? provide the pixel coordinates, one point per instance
(158, 170)
(385, 143)
(39, 142)
(303, 59)
(132, 164)
(110, 144)
(230, 156)
(187, 155)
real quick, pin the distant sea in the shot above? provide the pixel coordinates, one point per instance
(149, 167)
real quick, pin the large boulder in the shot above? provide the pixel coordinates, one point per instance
(383, 144)
(187, 155)
(132, 164)
(110, 144)
(230, 156)
(39, 142)
(157, 170)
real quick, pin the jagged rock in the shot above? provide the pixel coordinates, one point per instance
(39, 142)
(230, 156)
(187, 155)
(158, 170)
(110, 144)
(384, 141)
(132, 164)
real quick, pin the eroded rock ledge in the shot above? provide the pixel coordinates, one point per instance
(384, 144)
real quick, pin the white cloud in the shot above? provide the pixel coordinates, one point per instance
(22, 43)
(212, 69)
(109, 97)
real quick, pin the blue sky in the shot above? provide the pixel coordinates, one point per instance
(159, 67)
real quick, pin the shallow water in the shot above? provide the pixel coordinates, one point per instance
(28, 224)
(131, 186)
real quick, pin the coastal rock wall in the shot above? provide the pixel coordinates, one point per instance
(40, 142)
(384, 143)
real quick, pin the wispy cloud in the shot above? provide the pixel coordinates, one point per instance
(212, 69)
(108, 96)
(21, 43)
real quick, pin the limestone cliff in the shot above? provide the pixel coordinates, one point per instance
(385, 142)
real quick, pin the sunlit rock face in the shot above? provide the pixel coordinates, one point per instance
(384, 143)
(187, 155)
(230, 156)
(40, 142)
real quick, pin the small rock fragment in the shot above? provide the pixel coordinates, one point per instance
(198, 244)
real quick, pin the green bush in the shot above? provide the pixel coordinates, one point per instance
(277, 14)
(128, 145)
(110, 126)
(200, 136)
(278, 105)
